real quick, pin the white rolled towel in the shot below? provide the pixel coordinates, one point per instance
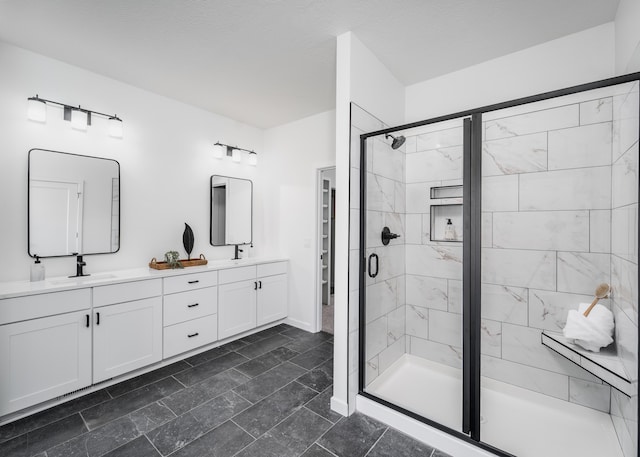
(592, 332)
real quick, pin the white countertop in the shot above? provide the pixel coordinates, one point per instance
(61, 283)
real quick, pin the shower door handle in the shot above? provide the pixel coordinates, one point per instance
(371, 257)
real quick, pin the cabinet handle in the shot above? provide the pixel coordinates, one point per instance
(195, 281)
(97, 318)
(88, 317)
(255, 285)
(193, 305)
(259, 284)
(192, 335)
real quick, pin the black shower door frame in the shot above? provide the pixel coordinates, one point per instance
(471, 281)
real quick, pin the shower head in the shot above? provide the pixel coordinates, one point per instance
(397, 140)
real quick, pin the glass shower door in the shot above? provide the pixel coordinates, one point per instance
(412, 267)
(559, 216)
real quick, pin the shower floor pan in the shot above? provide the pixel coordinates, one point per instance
(517, 420)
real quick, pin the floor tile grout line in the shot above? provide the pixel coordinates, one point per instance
(322, 447)
(246, 431)
(386, 429)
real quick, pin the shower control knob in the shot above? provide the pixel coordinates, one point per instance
(387, 236)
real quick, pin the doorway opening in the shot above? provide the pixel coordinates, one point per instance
(326, 188)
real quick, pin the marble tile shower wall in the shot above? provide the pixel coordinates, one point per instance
(385, 333)
(624, 257)
(547, 211)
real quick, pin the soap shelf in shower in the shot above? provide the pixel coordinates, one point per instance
(450, 207)
(605, 365)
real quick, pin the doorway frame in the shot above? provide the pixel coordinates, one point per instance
(318, 247)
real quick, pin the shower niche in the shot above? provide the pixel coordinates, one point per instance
(446, 215)
(542, 194)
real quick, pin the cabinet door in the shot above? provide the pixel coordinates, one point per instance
(272, 298)
(236, 308)
(43, 358)
(126, 336)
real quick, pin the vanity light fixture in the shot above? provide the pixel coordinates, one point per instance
(79, 117)
(234, 153)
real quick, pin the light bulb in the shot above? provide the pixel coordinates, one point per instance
(115, 127)
(78, 119)
(37, 109)
(218, 151)
(235, 156)
(253, 159)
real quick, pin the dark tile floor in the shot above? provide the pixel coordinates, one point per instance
(265, 395)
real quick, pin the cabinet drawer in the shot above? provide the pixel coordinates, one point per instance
(190, 305)
(271, 269)
(191, 281)
(41, 305)
(190, 335)
(127, 291)
(237, 274)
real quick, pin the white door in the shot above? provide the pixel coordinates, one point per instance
(272, 298)
(236, 307)
(55, 212)
(126, 336)
(43, 358)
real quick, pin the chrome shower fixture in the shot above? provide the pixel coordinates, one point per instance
(397, 140)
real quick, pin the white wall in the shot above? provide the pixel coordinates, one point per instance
(296, 150)
(575, 59)
(165, 158)
(363, 79)
(628, 37)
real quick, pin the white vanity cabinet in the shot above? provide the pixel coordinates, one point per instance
(127, 327)
(251, 296)
(190, 307)
(45, 357)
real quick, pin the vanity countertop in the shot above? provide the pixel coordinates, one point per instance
(61, 283)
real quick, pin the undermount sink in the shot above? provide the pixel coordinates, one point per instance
(82, 279)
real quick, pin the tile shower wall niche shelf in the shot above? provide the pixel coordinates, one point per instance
(605, 365)
(449, 208)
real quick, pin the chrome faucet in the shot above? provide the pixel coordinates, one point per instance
(79, 267)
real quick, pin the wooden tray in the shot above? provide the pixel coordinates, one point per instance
(185, 263)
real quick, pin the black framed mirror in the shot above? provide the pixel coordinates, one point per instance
(73, 204)
(231, 211)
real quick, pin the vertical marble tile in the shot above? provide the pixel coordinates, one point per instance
(491, 337)
(543, 381)
(381, 299)
(585, 146)
(625, 179)
(624, 283)
(388, 162)
(505, 304)
(487, 230)
(399, 196)
(590, 394)
(548, 310)
(437, 352)
(626, 340)
(454, 296)
(513, 155)
(374, 224)
(413, 229)
(417, 323)
(440, 261)
(380, 193)
(625, 122)
(391, 262)
(427, 292)
(376, 337)
(410, 144)
(426, 229)
(520, 268)
(500, 193)
(582, 188)
(600, 224)
(537, 121)
(371, 370)
(624, 232)
(445, 328)
(595, 111)
(434, 164)
(417, 197)
(440, 138)
(542, 230)
(395, 324)
(390, 355)
(581, 272)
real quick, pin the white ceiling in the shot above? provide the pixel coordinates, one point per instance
(268, 62)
